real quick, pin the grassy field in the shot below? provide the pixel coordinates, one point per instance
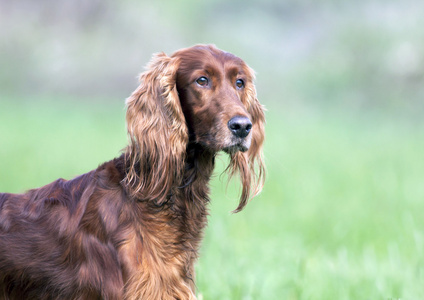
(340, 217)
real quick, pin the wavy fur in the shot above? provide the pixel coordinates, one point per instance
(157, 132)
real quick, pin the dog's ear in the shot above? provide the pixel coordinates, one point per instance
(157, 132)
(250, 165)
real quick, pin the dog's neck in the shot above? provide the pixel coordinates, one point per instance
(192, 194)
(199, 165)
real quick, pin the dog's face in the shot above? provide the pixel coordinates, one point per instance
(213, 87)
(198, 95)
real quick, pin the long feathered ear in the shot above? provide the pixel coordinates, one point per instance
(157, 133)
(250, 165)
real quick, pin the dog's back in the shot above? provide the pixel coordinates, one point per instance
(46, 235)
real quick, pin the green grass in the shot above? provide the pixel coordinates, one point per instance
(340, 217)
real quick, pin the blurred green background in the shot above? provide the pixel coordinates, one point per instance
(342, 212)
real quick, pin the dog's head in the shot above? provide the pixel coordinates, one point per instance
(199, 95)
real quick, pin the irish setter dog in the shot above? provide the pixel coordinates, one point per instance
(131, 229)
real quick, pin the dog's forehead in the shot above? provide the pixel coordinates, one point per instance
(200, 55)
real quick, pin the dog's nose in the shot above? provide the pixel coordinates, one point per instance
(240, 126)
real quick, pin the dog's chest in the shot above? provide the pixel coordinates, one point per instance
(158, 254)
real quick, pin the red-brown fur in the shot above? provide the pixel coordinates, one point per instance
(131, 229)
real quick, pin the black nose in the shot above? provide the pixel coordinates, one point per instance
(240, 126)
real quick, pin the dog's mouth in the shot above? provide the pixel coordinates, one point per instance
(242, 147)
(238, 144)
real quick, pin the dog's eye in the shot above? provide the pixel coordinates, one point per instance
(202, 81)
(240, 83)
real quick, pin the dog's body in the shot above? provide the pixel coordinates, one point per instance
(131, 229)
(84, 239)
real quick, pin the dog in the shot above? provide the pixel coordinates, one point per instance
(131, 229)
